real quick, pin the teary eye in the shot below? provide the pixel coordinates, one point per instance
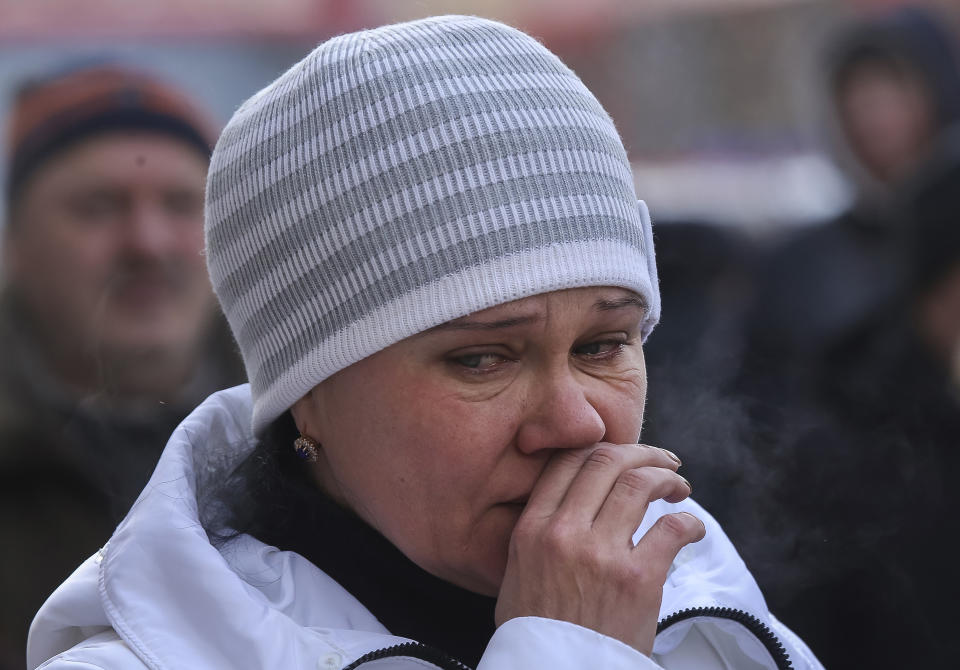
(478, 361)
(600, 348)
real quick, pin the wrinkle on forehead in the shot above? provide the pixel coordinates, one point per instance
(537, 308)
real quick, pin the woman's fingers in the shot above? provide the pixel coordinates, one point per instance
(630, 494)
(578, 481)
(604, 468)
(661, 544)
(571, 555)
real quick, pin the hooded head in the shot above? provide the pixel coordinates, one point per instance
(896, 83)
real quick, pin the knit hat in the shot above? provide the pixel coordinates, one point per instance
(398, 178)
(51, 113)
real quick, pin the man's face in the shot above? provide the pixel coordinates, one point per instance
(104, 247)
(889, 120)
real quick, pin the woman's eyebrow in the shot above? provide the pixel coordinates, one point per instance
(627, 301)
(462, 324)
(472, 324)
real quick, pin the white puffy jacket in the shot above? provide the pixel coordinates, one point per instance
(160, 596)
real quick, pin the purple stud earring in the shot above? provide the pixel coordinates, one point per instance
(307, 448)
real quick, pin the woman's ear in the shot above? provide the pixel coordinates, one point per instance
(303, 412)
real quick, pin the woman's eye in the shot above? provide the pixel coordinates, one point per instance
(479, 362)
(601, 348)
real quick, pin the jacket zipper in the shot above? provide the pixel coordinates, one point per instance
(748, 621)
(415, 650)
(446, 662)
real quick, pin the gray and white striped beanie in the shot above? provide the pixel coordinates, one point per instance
(398, 178)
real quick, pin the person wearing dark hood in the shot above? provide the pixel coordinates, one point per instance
(108, 324)
(848, 360)
(889, 399)
(895, 84)
(866, 553)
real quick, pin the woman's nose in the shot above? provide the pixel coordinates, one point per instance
(559, 414)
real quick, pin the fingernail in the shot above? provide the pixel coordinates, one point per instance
(689, 485)
(672, 455)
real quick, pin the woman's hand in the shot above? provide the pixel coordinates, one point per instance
(571, 554)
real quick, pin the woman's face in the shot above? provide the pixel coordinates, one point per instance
(438, 440)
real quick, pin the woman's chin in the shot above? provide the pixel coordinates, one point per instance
(482, 568)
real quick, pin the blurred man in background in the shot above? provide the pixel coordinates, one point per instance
(895, 85)
(870, 493)
(108, 328)
(856, 416)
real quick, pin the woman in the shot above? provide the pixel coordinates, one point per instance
(426, 241)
